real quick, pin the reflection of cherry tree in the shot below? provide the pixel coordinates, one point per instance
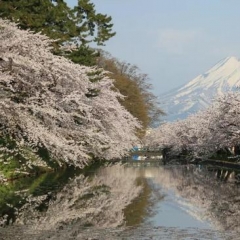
(219, 201)
(97, 201)
(205, 132)
(49, 102)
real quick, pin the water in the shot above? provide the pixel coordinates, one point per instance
(120, 202)
(172, 213)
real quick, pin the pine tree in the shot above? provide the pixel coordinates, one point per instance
(80, 25)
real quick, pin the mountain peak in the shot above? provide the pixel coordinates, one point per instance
(228, 63)
(198, 93)
(231, 59)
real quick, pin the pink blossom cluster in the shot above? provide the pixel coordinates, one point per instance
(203, 133)
(45, 103)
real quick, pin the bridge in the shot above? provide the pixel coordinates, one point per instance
(143, 157)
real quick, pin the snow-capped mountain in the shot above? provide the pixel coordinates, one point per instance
(199, 92)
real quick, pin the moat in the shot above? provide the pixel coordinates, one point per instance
(119, 201)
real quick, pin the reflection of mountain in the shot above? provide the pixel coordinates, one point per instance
(91, 207)
(199, 92)
(220, 200)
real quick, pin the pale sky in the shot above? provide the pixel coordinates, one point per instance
(172, 41)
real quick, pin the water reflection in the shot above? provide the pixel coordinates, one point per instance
(119, 202)
(93, 201)
(201, 194)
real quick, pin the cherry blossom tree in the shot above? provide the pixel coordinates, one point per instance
(226, 126)
(48, 102)
(204, 133)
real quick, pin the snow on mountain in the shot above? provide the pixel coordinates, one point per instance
(199, 92)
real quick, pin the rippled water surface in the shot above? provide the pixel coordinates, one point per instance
(121, 202)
